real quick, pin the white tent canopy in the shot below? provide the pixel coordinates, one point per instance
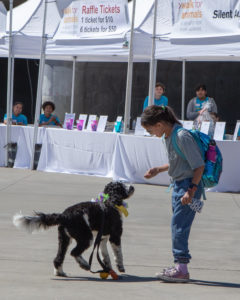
(3, 19)
(202, 31)
(89, 34)
(27, 30)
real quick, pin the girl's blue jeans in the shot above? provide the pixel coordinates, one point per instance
(182, 219)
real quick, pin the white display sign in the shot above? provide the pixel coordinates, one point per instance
(188, 124)
(139, 130)
(102, 123)
(118, 123)
(90, 119)
(219, 131)
(205, 19)
(205, 127)
(93, 19)
(236, 131)
(84, 118)
(69, 121)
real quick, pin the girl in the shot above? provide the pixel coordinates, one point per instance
(186, 176)
(17, 117)
(159, 98)
(47, 118)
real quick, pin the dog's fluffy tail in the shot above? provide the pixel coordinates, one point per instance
(36, 223)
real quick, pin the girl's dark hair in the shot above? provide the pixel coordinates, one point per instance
(48, 103)
(161, 85)
(201, 87)
(154, 114)
(17, 102)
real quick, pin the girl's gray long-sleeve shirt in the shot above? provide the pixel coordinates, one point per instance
(192, 114)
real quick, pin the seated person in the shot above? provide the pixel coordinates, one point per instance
(198, 105)
(159, 98)
(17, 117)
(47, 118)
(238, 135)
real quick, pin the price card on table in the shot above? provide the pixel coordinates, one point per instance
(219, 131)
(69, 121)
(188, 124)
(84, 118)
(236, 131)
(90, 120)
(118, 124)
(102, 123)
(205, 127)
(139, 130)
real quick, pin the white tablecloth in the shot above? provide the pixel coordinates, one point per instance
(77, 152)
(124, 157)
(134, 155)
(23, 136)
(230, 178)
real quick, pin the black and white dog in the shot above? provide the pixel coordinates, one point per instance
(80, 221)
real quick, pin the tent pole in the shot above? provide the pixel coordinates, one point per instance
(40, 82)
(9, 83)
(183, 88)
(73, 83)
(153, 62)
(127, 111)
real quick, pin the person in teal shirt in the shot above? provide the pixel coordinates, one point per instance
(238, 135)
(47, 118)
(17, 117)
(159, 98)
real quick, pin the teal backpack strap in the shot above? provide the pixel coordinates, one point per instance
(174, 142)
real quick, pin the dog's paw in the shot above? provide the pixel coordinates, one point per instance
(59, 273)
(121, 269)
(83, 263)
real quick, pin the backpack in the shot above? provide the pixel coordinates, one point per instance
(210, 153)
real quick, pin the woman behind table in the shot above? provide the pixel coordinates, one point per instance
(201, 103)
(186, 176)
(47, 118)
(17, 117)
(159, 98)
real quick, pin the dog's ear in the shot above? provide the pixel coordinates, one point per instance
(131, 191)
(118, 191)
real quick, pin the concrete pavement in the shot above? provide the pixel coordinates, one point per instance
(26, 269)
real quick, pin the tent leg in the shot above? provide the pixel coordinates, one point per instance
(73, 84)
(127, 111)
(183, 88)
(9, 85)
(40, 82)
(153, 62)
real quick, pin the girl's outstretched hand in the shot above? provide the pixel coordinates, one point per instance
(151, 173)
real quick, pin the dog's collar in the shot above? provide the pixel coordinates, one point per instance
(123, 209)
(102, 198)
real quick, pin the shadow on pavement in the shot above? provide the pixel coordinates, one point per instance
(122, 278)
(215, 283)
(133, 278)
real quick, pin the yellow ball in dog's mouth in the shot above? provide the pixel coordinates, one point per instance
(104, 275)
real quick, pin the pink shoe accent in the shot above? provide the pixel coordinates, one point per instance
(182, 268)
(174, 275)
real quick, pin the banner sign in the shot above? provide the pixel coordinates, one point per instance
(205, 18)
(93, 19)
